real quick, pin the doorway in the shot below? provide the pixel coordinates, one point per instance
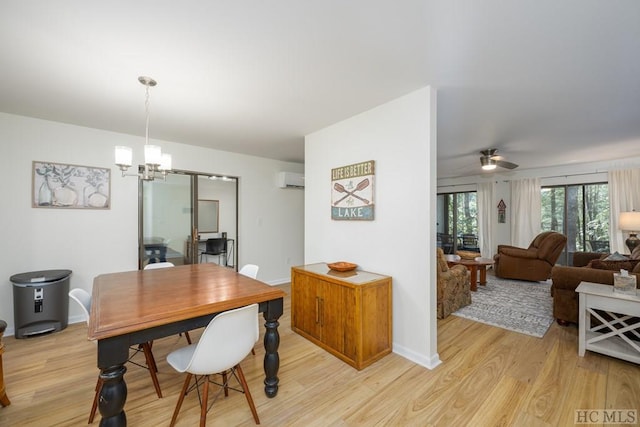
(177, 216)
(457, 226)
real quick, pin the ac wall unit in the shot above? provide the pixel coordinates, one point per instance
(290, 180)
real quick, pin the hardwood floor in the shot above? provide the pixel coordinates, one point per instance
(488, 377)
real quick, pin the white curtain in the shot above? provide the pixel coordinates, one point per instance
(526, 213)
(624, 196)
(486, 209)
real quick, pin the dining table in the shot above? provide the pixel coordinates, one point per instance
(134, 307)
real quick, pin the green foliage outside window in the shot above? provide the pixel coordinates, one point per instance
(464, 212)
(581, 212)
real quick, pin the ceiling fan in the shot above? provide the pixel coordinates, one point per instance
(490, 159)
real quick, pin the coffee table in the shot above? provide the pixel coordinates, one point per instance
(476, 265)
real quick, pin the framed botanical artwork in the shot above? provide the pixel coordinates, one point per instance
(352, 192)
(59, 185)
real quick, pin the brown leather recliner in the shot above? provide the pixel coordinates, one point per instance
(535, 262)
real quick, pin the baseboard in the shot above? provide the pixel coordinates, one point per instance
(278, 281)
(422, 360)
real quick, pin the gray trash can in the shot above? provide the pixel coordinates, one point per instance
(40, 302)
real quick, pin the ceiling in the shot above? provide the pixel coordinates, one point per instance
(545, 82)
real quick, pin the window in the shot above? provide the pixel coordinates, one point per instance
(580, 212)
(458, 221)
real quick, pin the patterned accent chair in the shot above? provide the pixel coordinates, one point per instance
(454, 286)
(534, 263)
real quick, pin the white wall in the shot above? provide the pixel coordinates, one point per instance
(582, 173)
(225, 193)
(400, 137)
(91, 242)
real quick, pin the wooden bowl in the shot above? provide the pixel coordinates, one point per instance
(468, 254)
(342, 266)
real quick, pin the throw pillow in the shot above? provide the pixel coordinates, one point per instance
(627, 264)
(636, 253)
(616, 257)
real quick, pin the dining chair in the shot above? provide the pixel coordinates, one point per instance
(446, 242)
(470, 242)
(83, 298)
(215, 247)
(155, 265)
(166, 264)
(249, 270)
(225, 342)
(4, 400)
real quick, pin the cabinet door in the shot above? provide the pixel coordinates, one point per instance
(337, 311)
(306, 304)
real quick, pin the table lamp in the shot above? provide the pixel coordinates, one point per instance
(630, 221)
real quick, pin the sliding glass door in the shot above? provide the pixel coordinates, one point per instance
(457, 221)
(166, 220)
(580, 212)
(178, 215)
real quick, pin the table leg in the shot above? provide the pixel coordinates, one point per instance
(112, 356)
(474, 277)
(271, 343)
(112, 397)
(483, 274)
(4, 400)
(582, 324)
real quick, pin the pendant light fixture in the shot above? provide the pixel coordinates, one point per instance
(154, 160)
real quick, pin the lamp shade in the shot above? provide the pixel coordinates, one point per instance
(165, 164)
(629, 221)
(152, 155)
(124, 156)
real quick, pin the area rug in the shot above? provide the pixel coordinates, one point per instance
(525, 307)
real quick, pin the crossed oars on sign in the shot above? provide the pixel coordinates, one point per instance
(361, 186)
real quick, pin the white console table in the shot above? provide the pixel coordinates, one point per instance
(608, 338)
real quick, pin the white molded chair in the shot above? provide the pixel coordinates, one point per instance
(249, 270)
(155, 265)
(83, 298)
(225, 342)
(165, 264)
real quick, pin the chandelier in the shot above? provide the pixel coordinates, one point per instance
(155, 162)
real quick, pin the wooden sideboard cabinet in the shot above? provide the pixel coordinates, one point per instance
(346, 313)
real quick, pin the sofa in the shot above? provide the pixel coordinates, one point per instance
(533, 263)
(453, 286)
(588, 267)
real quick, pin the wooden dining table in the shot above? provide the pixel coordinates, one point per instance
(134, 307)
